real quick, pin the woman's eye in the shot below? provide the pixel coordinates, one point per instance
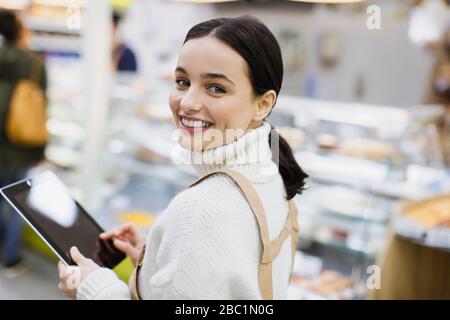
(216, 89)
(182, 83)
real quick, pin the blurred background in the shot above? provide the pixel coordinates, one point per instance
(365, 105)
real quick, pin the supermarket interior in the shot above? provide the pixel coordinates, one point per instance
(364, 105)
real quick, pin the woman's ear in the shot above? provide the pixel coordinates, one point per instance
(264, 105)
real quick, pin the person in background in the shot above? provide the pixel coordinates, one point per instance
(16, 63)
(123, 58)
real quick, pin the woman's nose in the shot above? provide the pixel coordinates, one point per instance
(190, 102)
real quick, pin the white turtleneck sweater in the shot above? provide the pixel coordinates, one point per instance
(206, 244)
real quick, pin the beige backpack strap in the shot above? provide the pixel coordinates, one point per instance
(271, 249)
(202, 178)
(276, 244)
(133, 281)
(294, 228)
(268, 255)
(256, 206)
(274, 248)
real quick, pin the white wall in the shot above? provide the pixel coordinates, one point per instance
(156, 30)
(394, 71)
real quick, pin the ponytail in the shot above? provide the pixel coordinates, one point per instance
(292, 174)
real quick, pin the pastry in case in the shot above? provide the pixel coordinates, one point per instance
(367, 148)
(295, 137)
(431, 212)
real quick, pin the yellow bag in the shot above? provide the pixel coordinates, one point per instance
(27, 115)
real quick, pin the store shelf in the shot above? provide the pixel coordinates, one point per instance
(426, 222)
(361, 220)
(326, 285)
(361, 174)
(347, 204)
(337, 220)
(341, 246)
(423, 243)
(63, 156)
(411, 230)
(383, 162)
(166, 172)
(60, 44)
(44, 26)
(66, 129)
(388, 121)
(358, 237)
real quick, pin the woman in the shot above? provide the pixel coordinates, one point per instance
(123, 58)
(212, 240)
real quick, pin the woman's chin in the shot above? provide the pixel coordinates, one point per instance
(187, 143)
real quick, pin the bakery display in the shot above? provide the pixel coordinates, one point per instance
(330, 285)
(327, 141)
(295, 137)
(367, 149)
(427, 221)
(431, 212)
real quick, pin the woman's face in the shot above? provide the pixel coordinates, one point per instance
(212, 101)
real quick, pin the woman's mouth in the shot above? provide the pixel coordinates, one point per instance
(196, 125)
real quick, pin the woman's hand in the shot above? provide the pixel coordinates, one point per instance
(127, 239)
(70, 277)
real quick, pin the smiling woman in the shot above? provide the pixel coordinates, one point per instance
(233, 233)
(214, 91)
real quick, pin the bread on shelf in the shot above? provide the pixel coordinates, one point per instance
(431, 212)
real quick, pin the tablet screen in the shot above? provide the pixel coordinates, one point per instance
(45, 203)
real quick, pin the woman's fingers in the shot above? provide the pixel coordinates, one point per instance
(125, 228)
(126, 248)
(133, 234)
(127, 232)
(128, 226)
(61, 267)
(76, 255)
(108, 234)
(123, 246)
(64, 276)
(114, 232)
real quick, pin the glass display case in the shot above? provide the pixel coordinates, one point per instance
(364, 163)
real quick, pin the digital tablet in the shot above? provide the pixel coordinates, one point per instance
(46, 204)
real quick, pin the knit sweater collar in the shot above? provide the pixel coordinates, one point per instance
(250, 155)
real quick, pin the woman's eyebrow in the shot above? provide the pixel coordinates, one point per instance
(216, 76)
(180, 69)
(206, 76)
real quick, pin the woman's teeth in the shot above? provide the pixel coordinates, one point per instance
(195, 124)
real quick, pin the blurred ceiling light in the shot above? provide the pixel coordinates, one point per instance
(428, 22)
(328, 1)
(14, 4)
